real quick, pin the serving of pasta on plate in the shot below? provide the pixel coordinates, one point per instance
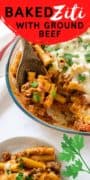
(34, 163)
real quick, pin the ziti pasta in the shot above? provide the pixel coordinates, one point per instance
(62, 96)
(36, 163)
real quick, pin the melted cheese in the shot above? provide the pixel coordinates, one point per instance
(7, 166)
(77, 48)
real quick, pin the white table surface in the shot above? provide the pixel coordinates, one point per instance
(13, 122)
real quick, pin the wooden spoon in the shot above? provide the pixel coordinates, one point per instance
(29, 62)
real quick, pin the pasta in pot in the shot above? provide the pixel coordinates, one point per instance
(67, 80)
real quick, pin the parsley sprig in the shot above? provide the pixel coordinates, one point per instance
(72, 154)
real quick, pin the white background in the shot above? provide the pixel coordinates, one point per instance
(13, 122)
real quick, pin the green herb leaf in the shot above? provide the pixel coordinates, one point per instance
(67, 143)
(8, 171)
(74, 144)
(36, 97)
(53, 93)
(71, 147)
(28, 177)
(87, 57)
(34, 84)
(65, 68)
(67, 156)
(86, 46)
(69, 62)
(81, 77)
(73, 169)
(20, 176)
(71, 151)
(80, 40)
(49, 48)
(52, 48)
(57, 54)
(68, 58)
(78, 142)
(21, 165)
(76, 55)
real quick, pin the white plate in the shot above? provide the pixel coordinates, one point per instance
(20, 143)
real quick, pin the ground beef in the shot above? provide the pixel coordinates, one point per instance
(6, 156)
(54, 166)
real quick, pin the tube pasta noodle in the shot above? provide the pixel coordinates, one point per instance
(29, 163)
(14, 167)
(44, 158)
(46, 59)
(31, 76)
(49, 176)
(1, 166)
(39, 164)
(60, 98)
(40, 151)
